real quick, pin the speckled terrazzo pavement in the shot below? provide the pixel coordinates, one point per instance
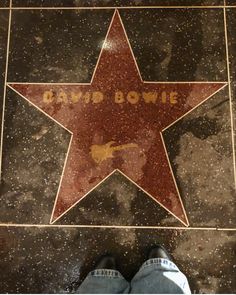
(183, 198)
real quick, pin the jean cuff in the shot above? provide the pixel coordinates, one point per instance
(106, 273)
(165, 264)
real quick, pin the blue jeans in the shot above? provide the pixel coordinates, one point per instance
(156, 276)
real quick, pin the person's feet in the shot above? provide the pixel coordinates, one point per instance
(159, 252)
(106, 262)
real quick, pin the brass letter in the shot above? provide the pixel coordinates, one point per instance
(150, 97)
(173, 97)
(163, 97)
(75, 97)
(48, 97)
(97, 97)
(119, 97)
(86, 97)
(62, 97)
(133, 97)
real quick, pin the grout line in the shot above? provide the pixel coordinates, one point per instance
(146, 82)
(124, 7)
(5, 87)
(51, 83)
(186, 82)
(115, 226)
(119, 7)
(230, 95)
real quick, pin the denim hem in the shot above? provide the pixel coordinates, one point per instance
(106, 273)
(165, 263)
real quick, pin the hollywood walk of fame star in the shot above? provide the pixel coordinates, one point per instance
(116, 122)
